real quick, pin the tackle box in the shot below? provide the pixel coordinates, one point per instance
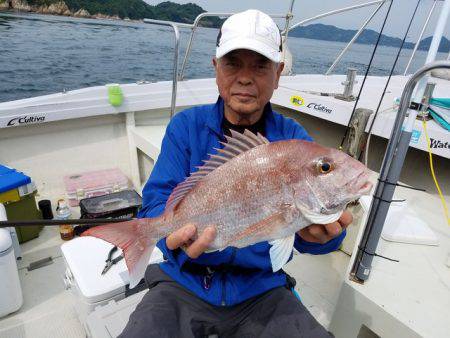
(94, 183)
(18, 195)
(122, 204)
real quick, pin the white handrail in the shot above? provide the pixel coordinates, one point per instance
(174, 25)
(336, 11)
(194, 27)
(350, 43)
(420, 36)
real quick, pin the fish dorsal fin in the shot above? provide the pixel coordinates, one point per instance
(236, 144)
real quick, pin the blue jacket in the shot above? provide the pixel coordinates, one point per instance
(190, 136)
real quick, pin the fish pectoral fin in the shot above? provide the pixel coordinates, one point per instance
(281, 251)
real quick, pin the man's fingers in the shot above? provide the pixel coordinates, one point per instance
(318, 232)
(345, 219)
(180, 237)
(201, 243)
(333, 229)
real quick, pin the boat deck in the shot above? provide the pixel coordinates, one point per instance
(48, 309)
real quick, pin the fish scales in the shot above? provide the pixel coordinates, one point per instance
(238, 194)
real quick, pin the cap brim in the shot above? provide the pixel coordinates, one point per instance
(250, 44)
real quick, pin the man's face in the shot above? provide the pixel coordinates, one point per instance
(246, 81)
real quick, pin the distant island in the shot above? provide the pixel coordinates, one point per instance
(368, 37)
(138, 10)
(113, 9)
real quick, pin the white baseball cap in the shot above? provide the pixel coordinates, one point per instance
(253, 30)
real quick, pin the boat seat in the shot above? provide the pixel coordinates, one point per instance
(148, 139)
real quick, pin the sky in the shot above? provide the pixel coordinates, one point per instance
(396, 25)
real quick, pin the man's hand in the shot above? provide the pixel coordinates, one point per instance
(322, 233)
(183, 237)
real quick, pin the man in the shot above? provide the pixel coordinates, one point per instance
(231, 293)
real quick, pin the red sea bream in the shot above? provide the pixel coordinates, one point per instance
(251, 191)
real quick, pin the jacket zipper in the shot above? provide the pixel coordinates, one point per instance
(224, 291)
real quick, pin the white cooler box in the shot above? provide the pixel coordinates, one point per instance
(85, 259)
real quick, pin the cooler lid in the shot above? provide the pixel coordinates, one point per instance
(85, 257)
(11, 179)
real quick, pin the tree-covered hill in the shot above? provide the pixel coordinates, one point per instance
(367, 37)
(132, 9)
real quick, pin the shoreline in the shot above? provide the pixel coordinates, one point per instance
(58, 9)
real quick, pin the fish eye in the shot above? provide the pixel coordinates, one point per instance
(324, 166)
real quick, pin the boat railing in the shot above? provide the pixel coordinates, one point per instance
(179, 76)
(175, 26)
(380, 4)
(419, 38)
(176, 31)
(220, 15)
(288, 17)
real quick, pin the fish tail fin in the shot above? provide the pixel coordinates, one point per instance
(137, 239)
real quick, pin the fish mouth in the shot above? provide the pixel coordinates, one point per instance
(362, 184)
(366, 188)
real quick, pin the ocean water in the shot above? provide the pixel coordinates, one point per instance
(47, 54)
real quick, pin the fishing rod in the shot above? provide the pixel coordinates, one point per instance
(54, 222)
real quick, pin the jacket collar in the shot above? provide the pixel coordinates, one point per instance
(215, 118)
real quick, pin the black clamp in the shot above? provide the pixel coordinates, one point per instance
(418, 106)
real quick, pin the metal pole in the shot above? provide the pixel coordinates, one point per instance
(289, 16)
(288, 20)
(390, 172)
(191, 38)
(420, 37)
(336, 11)
(347, 95)
(358, 33)
(175, 58)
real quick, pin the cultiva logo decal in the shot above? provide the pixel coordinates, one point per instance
(319, 107)
(297, 100)
(17, 121)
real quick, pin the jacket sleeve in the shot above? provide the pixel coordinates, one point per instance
(298, 132)
(171, 168)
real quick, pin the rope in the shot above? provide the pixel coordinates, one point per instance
(377, 255)
(366, 150)
(365, 75)
(401, 185)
